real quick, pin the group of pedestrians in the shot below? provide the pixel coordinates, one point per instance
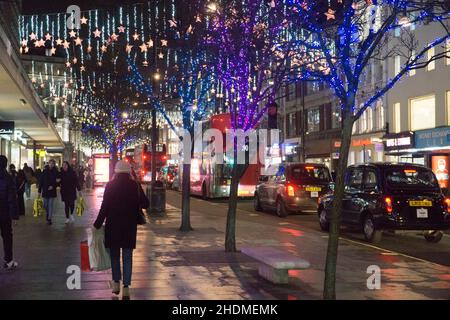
(121, 211)
(67, 179)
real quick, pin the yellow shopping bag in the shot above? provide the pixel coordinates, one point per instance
(38, 207)
(80, 206)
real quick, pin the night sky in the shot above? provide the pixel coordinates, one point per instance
(53, 6)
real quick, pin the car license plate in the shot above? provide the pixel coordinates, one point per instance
(422, 213)
(420, 203)
(314, 189)
(314, 194)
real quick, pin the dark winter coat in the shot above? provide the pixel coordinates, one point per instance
(19, 179)
(69, 185)
(8, 196)
(48, 179)
(120, 207)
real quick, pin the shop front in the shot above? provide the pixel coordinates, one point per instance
(324, 151)
(366, 148)
(14, 147)
(399, 146)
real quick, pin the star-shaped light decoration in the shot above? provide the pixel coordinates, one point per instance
(78, 41)
(89, 48)
(330, 14)
(143, 47)
(24, 42)
(97, 33)
(66, 44)
(58, 42)
(150, 43)
(163, 43)
(121, 29)
(189, 29)
(114, 37)
(26, 49)
(104, 48)
(39, 43)
(135, 36)
(129, 48)
(32, 36)
(82, 68)
(198, 18)
(53, 51)
(161, 55)
(72, 33)
(48, 37)
(172, 23)
(83, 20)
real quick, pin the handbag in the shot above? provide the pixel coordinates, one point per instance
(38, 207)
(141, 216)
(99, 258)
(80, 206)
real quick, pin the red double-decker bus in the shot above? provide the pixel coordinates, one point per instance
(212, 180)
(142, 160)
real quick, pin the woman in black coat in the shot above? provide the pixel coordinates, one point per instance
(122, 205)
(69, 186)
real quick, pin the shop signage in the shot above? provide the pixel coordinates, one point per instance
(6, 127)
(361, 142)
(399, 141)
(438, 137)
(440, 167)
(335, 155)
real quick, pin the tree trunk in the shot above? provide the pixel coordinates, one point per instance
(329, 292)
(230, 235)
(186, 199)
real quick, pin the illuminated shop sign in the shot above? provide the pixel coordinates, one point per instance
(7, 127)
(399, 141)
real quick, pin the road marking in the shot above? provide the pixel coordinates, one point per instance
(392, 252)
(254, 215)
(283, 223)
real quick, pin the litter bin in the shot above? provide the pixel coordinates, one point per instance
(156, 193)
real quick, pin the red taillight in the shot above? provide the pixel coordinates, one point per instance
(447, 204)
(143, 172)
(290, 190)
(388, 203)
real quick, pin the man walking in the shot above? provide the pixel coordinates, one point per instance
(8, 211)
(47, 187)
(29, 176)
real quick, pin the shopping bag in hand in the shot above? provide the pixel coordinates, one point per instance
(99, 258)
(38, 207)
(80, 206)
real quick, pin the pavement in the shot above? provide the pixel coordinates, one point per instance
(169, 264)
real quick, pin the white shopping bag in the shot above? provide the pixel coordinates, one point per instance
(99, 258)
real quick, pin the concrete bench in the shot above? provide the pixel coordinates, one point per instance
(275, 264)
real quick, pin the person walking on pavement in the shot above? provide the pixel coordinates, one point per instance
(122, 204)
(20, 181)
(69, 187)
(29, 176)
(8, 212)
(47, 187)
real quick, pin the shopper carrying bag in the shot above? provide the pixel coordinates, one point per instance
(99, 259)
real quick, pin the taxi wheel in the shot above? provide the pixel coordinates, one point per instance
(433, 236)
(323, 222)
(370, 232)
(281, 209)
(257, 203)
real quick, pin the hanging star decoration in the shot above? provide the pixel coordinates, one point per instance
(48, 37)
(66, 44)
(189, 29)
(135, 36)
(89, 48)
(24, 42)
(161, 55)
(78, 41)
(150, 43)
(97, 33)
(40, 43)
(114, 37)
(33, 36)
(53, 51)
(104, 48)
(198, 18)
(172, 23)
(72, 33)
(164, 43)
(84, 20)
(330, 14)
(143, 47)
(58, 42)
(121, 29)
(82, 68)
(129, 48)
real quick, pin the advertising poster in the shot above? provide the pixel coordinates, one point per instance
(440, 167)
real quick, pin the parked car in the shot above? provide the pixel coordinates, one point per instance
(391, 196)
(297, 189)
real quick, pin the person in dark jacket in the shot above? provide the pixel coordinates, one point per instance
(47, 187)
(8, 212)
(122, 204)
(20, 181)
(29, 176)
(69, 186)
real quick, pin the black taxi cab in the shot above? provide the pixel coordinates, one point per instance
(391, 196)
(297, 188)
